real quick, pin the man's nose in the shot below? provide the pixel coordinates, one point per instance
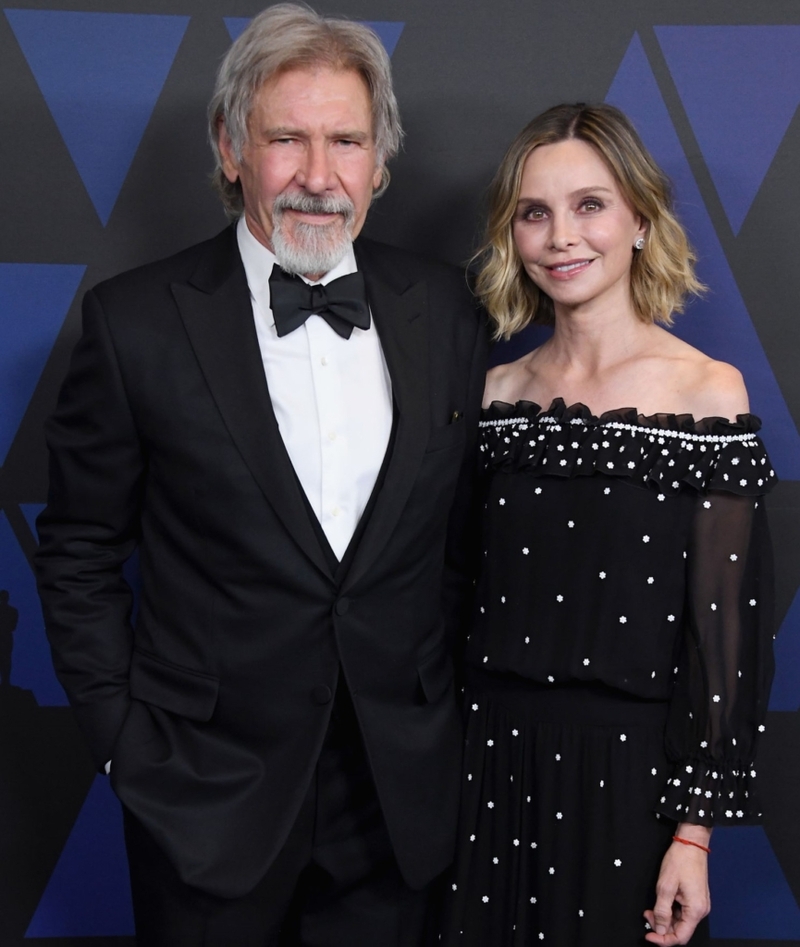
(316, 172)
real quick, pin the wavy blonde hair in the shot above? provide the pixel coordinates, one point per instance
(662, 274)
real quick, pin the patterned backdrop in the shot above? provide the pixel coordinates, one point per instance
(104, 166)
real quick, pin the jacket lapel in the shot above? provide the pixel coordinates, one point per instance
(217, 312)
(398, 304)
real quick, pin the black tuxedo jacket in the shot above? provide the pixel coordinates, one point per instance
(213, 703)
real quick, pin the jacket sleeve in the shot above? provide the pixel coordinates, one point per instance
(87, 532)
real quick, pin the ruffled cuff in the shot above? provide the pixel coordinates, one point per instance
(705, 793)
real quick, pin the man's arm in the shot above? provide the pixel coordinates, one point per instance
(86, 533)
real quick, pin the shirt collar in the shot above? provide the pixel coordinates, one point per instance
(258, 262)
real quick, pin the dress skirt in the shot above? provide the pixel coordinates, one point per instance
(559, 843)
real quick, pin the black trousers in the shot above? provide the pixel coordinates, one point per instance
(334, 884)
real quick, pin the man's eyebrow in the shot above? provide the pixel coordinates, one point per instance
(285, 131)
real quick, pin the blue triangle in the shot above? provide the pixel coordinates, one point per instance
(88, 894)
(719, 324)
(785, 693)
(100, 74)
(740, 86)
(389, 32)
(31, 664)
(30, 511)
(750, 896)
(36, 297)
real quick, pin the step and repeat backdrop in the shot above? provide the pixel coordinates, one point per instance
(104, 165)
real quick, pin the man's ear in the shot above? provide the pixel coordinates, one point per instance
(230, 163)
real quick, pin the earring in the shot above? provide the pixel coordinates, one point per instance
(639, 243)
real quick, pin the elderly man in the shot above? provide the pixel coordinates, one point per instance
(281, 420)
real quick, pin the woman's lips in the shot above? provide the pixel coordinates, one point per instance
(569, 269)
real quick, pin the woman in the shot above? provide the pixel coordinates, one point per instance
(619, 660)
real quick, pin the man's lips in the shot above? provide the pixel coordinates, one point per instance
(313, 218)
(568, 269)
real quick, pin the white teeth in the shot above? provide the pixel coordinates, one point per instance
(569, 266)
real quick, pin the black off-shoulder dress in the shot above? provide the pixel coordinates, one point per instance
(617, 668)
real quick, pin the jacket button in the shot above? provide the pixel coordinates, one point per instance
(342, 606)
(321, 694)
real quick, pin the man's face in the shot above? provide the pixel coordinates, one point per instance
(309, 167)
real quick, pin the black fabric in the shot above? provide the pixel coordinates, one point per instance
(335, 882)
(618, 664)
(165, 439)
(342, 303)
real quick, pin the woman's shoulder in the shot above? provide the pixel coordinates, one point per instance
(705, 386)
(503, 382)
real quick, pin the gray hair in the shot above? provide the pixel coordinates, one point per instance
(291, 36)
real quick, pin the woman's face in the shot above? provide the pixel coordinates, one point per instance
(573, 228)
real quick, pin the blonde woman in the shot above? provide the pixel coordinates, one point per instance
(619, 660)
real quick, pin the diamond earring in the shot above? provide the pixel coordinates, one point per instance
(639, 244)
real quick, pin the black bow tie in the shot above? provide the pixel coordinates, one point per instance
(342, 303)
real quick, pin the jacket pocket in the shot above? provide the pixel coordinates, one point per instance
(174, 688)
(435, 674)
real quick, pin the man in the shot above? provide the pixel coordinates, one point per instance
(280, 722)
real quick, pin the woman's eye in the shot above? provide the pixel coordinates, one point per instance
(534, 213)
(591, 204)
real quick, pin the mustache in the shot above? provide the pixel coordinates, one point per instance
(314, 204)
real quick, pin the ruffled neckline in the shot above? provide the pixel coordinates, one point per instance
(672, 452)
(560, 411)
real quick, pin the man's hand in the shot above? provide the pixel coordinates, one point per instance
(682, 896)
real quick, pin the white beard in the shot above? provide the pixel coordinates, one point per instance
(311, 249)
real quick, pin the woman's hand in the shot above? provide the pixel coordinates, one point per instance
(682, 896)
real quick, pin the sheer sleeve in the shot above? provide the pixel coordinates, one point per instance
(724, 665)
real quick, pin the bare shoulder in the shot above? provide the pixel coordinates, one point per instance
(713, 388)
(504, 382)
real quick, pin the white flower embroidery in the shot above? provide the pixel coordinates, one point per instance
(622, 620)
(602, 575)
(501, 501)
(734, 557)
(622, 737)
(617, 862)
(645, 539)
(525, 550)
(650, 580)
(559, 598)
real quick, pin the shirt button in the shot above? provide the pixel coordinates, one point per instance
(342, 606)
(331, 435)
(335, 511)
(321, 694)
(324, 360)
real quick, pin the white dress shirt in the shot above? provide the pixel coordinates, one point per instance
(332, 398)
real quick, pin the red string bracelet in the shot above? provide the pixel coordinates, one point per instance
(688, 841)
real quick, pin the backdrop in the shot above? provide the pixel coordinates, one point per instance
(104, 166)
